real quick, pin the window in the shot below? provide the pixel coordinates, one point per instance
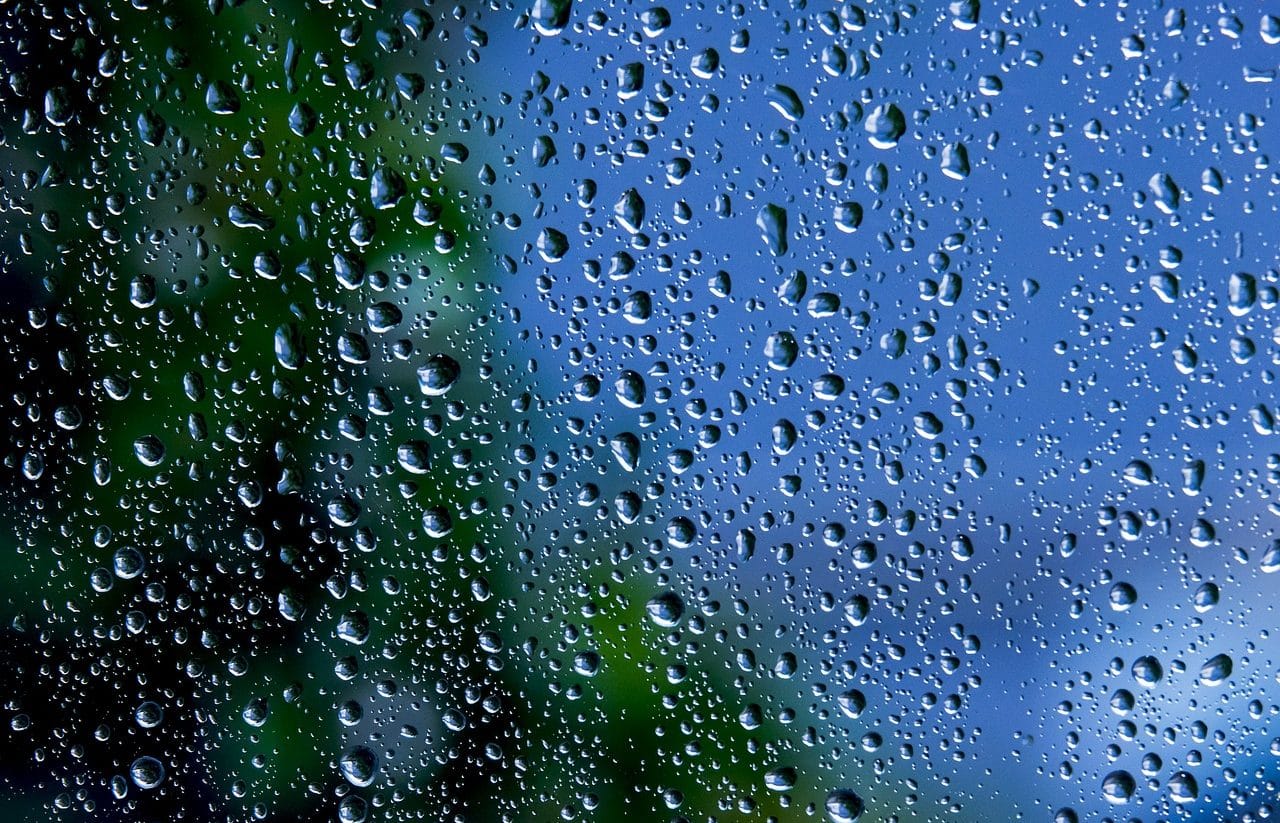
(711, 411)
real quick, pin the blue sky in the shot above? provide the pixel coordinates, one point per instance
(1076, 367)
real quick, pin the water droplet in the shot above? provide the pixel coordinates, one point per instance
(149, 450)
(1271, 559)
(255, 712)
(629, 211)
(955, 161)
(586, 663)
(1183, 788)
(630, 389)
(705, 63)
(1147, 671)
(630, 80)
(772, 222)
(1216, 670)
(552, 245)
(844, 806)
(626, 450)
(382, 317)
(964, 14)
(359, 765)
(1242, 293)
(248, 216)
(291, 605)
(149, 714)
(1122, 596)
(665, 609)
(551, 16)
(1165, 193)
(852, 703)
(781, 779)
(151, 128)
(386, 187)
(1139, 473)
(221, 98)
(147, 772)
(354, 627)
(289, 347)
(438, 375)
(302, 119)
(128, 563)
(414, 456)
(57, 106)
(885, 126)
(856, 609)
(786, 102)
(437, 522)
(848, 217)
(781, 350)
(1118, 787)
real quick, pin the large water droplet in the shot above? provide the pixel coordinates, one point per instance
(221, 98)
(772, 222)
(786, 102)
(1165, 193)
(843, 806)
(885, 125)
(781, 350)
(438, 375)
(551, 16)
(665, 609)
(359, 765)
(1147, 671)
(1216, 670)
(1183, 788)
(1118, 787)
(149, 450)
(552, 245)
(386, 187)
(629, 211)
(781, 779)
(146, 772)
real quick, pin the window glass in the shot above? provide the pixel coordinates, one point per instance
(693, 411)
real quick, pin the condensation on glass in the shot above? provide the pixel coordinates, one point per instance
(718, 411)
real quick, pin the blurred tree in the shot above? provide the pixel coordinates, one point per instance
(266, 524)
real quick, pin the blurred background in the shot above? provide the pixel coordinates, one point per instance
(770, 411)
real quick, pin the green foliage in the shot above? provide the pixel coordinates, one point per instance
(186, 251)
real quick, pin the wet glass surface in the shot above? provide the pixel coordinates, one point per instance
(696, 412)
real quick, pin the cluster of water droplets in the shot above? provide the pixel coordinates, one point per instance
(694, 412)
